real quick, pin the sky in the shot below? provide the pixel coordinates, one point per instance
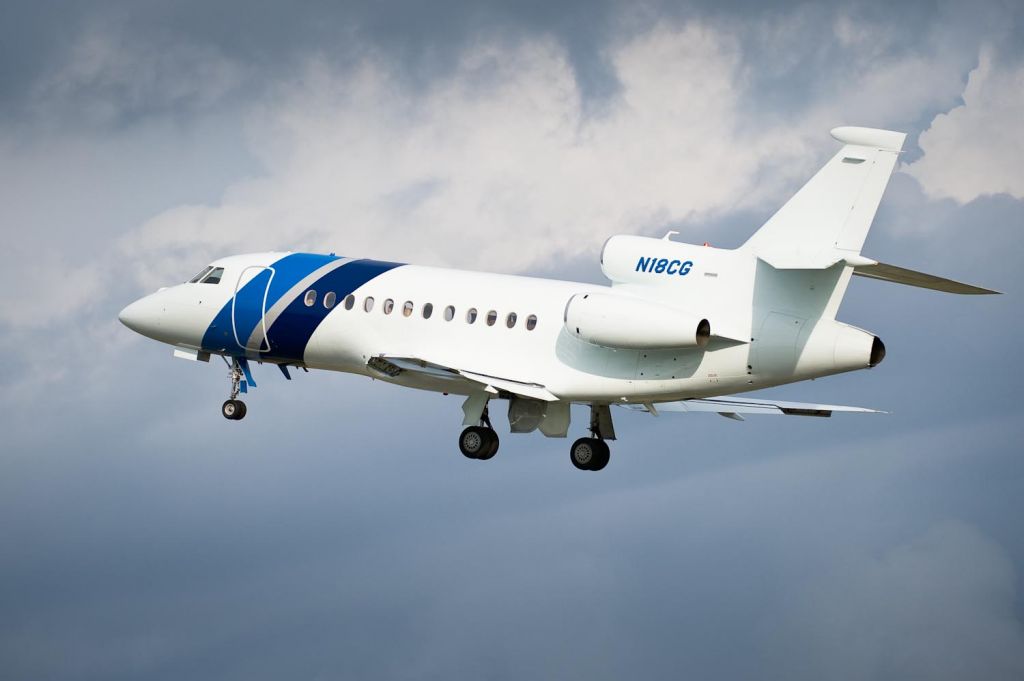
(337, 532)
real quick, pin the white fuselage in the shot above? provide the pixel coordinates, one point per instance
(536, 348)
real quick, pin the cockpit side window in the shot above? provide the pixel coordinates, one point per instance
(213, 277)
(206, 270)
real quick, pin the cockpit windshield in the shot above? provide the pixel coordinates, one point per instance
(213, 277)
(209, 275)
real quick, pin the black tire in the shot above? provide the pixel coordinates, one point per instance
(242, 410)
(492, 447)
(603, 455)
(231, 409)
(473, 441)
(582, 453)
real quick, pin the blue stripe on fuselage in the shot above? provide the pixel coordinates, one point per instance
(295, 326)
(288, 271)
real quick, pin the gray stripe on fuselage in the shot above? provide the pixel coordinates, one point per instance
(256, 338)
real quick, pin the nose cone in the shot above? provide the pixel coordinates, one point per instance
(142, 316)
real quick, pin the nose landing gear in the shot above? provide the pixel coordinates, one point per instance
(233, 408)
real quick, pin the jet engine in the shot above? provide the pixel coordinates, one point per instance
(830, 347)
(617, 321)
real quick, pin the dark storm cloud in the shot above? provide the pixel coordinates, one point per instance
(266, 39)
(788, 61)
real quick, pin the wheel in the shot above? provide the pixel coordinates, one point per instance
(233, 410)
(492, 446)
(601, 455)
(582, 453)
(242, 411)
(589, 454)
(474, 441)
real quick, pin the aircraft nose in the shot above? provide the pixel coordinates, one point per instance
(141, 316)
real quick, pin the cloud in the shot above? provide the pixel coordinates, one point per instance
(112, 73)
(493, 166)
(501, 164)
(939, 607)
(43, 297)
(976, 148)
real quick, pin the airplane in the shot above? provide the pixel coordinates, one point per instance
(680, 327)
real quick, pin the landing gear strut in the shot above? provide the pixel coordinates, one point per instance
(592, 453)
(479, 442)
(233, 408)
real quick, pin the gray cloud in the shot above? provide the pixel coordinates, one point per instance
(145, 537)
(790, 64)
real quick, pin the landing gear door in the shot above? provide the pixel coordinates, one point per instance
(249, 309)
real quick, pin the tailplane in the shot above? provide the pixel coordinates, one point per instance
(829, 218)
(826, 222)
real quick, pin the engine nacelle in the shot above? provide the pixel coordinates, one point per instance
(833, 347)
(617, 321)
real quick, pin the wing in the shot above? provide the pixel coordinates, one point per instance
(393, 367)
(732, 406)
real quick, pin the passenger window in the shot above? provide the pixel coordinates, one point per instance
(310, 299)
(330, 299)
(389, 305)
(492, 317)
(531, 322)
(202, 274)
(428, 310)
(471, 315)
(510, 320)
(407, 308)
(213, 277)
(368, 303)
(350, 302)
(449, 313)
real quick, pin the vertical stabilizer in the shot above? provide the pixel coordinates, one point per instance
(829, 218)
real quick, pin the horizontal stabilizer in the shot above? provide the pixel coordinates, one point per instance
(899, 275)
(799, 259)
(733, 405)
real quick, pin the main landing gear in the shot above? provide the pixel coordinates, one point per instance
(589, 454)
(592, 453)
(479, 442)
(233, 408)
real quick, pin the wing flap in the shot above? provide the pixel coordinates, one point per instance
(393, 366)
(534, 390)
(733, 405)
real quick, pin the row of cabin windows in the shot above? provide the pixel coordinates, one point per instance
(330, 298)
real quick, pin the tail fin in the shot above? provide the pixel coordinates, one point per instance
(829, 218)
